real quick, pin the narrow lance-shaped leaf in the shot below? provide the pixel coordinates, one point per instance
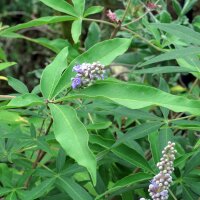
(74, 190)
(76, 30)
(180, 31)
(137, 96)
(127, 181)
(17, 85)
(52, 74)
(104, 52)
(174, 54)
(5, 65)
(139, 132)
(60, 5)
(73, 137)
(79, 6)
(37, 22)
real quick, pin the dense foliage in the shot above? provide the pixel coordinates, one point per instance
(99, 100)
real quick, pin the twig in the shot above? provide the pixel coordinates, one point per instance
(7, 97)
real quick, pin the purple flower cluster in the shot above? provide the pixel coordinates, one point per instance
(159, 185)
(87, 73)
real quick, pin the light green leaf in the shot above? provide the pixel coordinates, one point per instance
(104, 52)
(74, 190)
(37, 22)
(61, 5)
(126, 182)
(76, 30)
(93, 36)
(52, 74)
(73, 137)
(17, 85)
(162, 70)
(174, 54)
(93, 10)
(180, 32)
(188, 6)
(137, 96)
(24, 100)
(99, 126)
(79, 6)
(5, 65)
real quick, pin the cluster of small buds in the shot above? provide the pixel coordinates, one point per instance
(87, 74)
(159, 185)
(112, 16)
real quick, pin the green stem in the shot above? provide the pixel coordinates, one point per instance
(173, 196)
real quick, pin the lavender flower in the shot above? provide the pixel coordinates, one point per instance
(87, 74)
(159, 185)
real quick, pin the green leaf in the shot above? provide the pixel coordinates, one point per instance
(165, 17)
(137, 96)
(61, 5)
(73, 137)
(153, 140)
(37, 22)
(180, 32)
(4, 191)
(93, 36)
(174, 54)
(126, 182)
(177, 7)
(124, 152)
(188, 6)
(188, 194)
(131, 156)
(5, 65)
(93, 10)
(40, 190)
(193, 162)
(76, 30)
(79, 6)
(55, 45)
(107, 51)
(139, 132)
(60, 161)
(74, 190)
(163, 69)
(99, 126)
(17, 85)
(25, 100)
(52, 74)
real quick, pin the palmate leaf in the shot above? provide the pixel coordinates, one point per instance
(137, 96)
(73, 137)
